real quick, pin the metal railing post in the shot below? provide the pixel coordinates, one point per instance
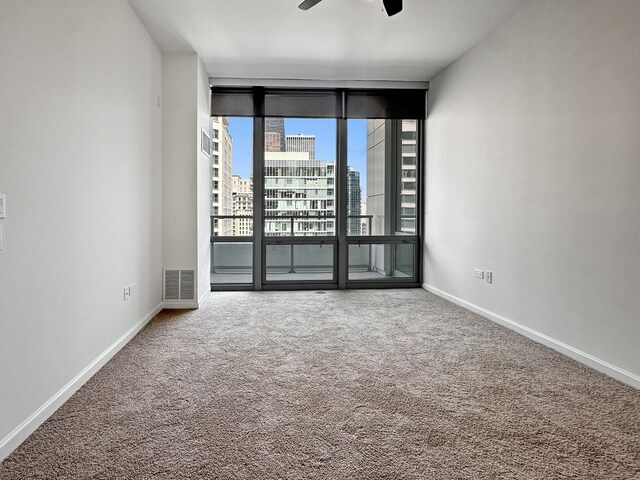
(291, 268)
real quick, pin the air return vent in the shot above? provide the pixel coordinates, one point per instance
(187, 285)
(179, 285)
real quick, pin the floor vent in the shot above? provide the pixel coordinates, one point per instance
(179, 285)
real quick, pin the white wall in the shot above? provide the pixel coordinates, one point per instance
(80, 163)
(204, 185)
(187, 174)
(179, 126)
(533, 172)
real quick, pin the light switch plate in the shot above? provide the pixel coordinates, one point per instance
(3, 205)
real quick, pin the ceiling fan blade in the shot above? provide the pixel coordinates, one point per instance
(392, 6)
(307, 4)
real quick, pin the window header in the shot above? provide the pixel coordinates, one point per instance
(318, 103)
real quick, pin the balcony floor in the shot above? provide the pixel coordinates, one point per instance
(227, 278)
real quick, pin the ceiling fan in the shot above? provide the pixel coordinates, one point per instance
(391, 6)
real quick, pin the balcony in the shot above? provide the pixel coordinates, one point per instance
(287, 259)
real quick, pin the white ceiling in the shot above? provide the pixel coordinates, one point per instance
(335, 40)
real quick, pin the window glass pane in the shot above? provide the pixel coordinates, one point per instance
(409, 149)
(408, 186)
(361, 170)
(232, 263)
(409, 135)
(381, 261)
(382, 183)
(299, 179)
(231, 172)
(299, 262)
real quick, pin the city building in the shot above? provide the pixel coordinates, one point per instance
(242, 206)
(302, 143)
(364, 220)
(408, 177)
(391, 168)
(221, 174)
(298, 189)
(274, 138)
(354, 198)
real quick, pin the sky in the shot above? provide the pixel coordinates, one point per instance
(241, 129)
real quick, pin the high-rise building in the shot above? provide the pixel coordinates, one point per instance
(221, 167)
(354, 198)
(302, 143)
(274, 139)
(364, 220)
(298, 189)
(379, 202)
(408, 186)
(242, 206)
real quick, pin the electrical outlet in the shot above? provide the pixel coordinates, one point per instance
(126, 293)
(133, 288)
(489, 277)
(479, 273)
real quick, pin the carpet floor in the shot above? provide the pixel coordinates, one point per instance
(369, 384)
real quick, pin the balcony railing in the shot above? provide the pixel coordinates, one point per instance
(232, 257)
(291, 220)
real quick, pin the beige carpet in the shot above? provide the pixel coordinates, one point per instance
(354, 384)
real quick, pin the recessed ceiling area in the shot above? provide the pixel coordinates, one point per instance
(335, 40)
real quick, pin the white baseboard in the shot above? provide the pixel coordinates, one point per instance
(202, 297)
(582, 357)
(188, 304)
(9, 443)
(181, 304)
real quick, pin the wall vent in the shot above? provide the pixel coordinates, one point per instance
(179, 285)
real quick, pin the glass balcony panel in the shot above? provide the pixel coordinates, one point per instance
(232, 263)
(381, 261)
(299, 262)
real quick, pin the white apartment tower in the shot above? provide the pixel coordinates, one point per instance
(242, 206)
(221, 166)
(408, 185)
(298, 189)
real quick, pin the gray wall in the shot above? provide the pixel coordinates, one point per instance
(533, 172)
(81, 165)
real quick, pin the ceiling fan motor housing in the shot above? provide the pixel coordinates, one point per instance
(392, 6)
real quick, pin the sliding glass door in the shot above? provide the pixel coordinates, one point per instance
(315, 189)
(382, 237)
(299, 207)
